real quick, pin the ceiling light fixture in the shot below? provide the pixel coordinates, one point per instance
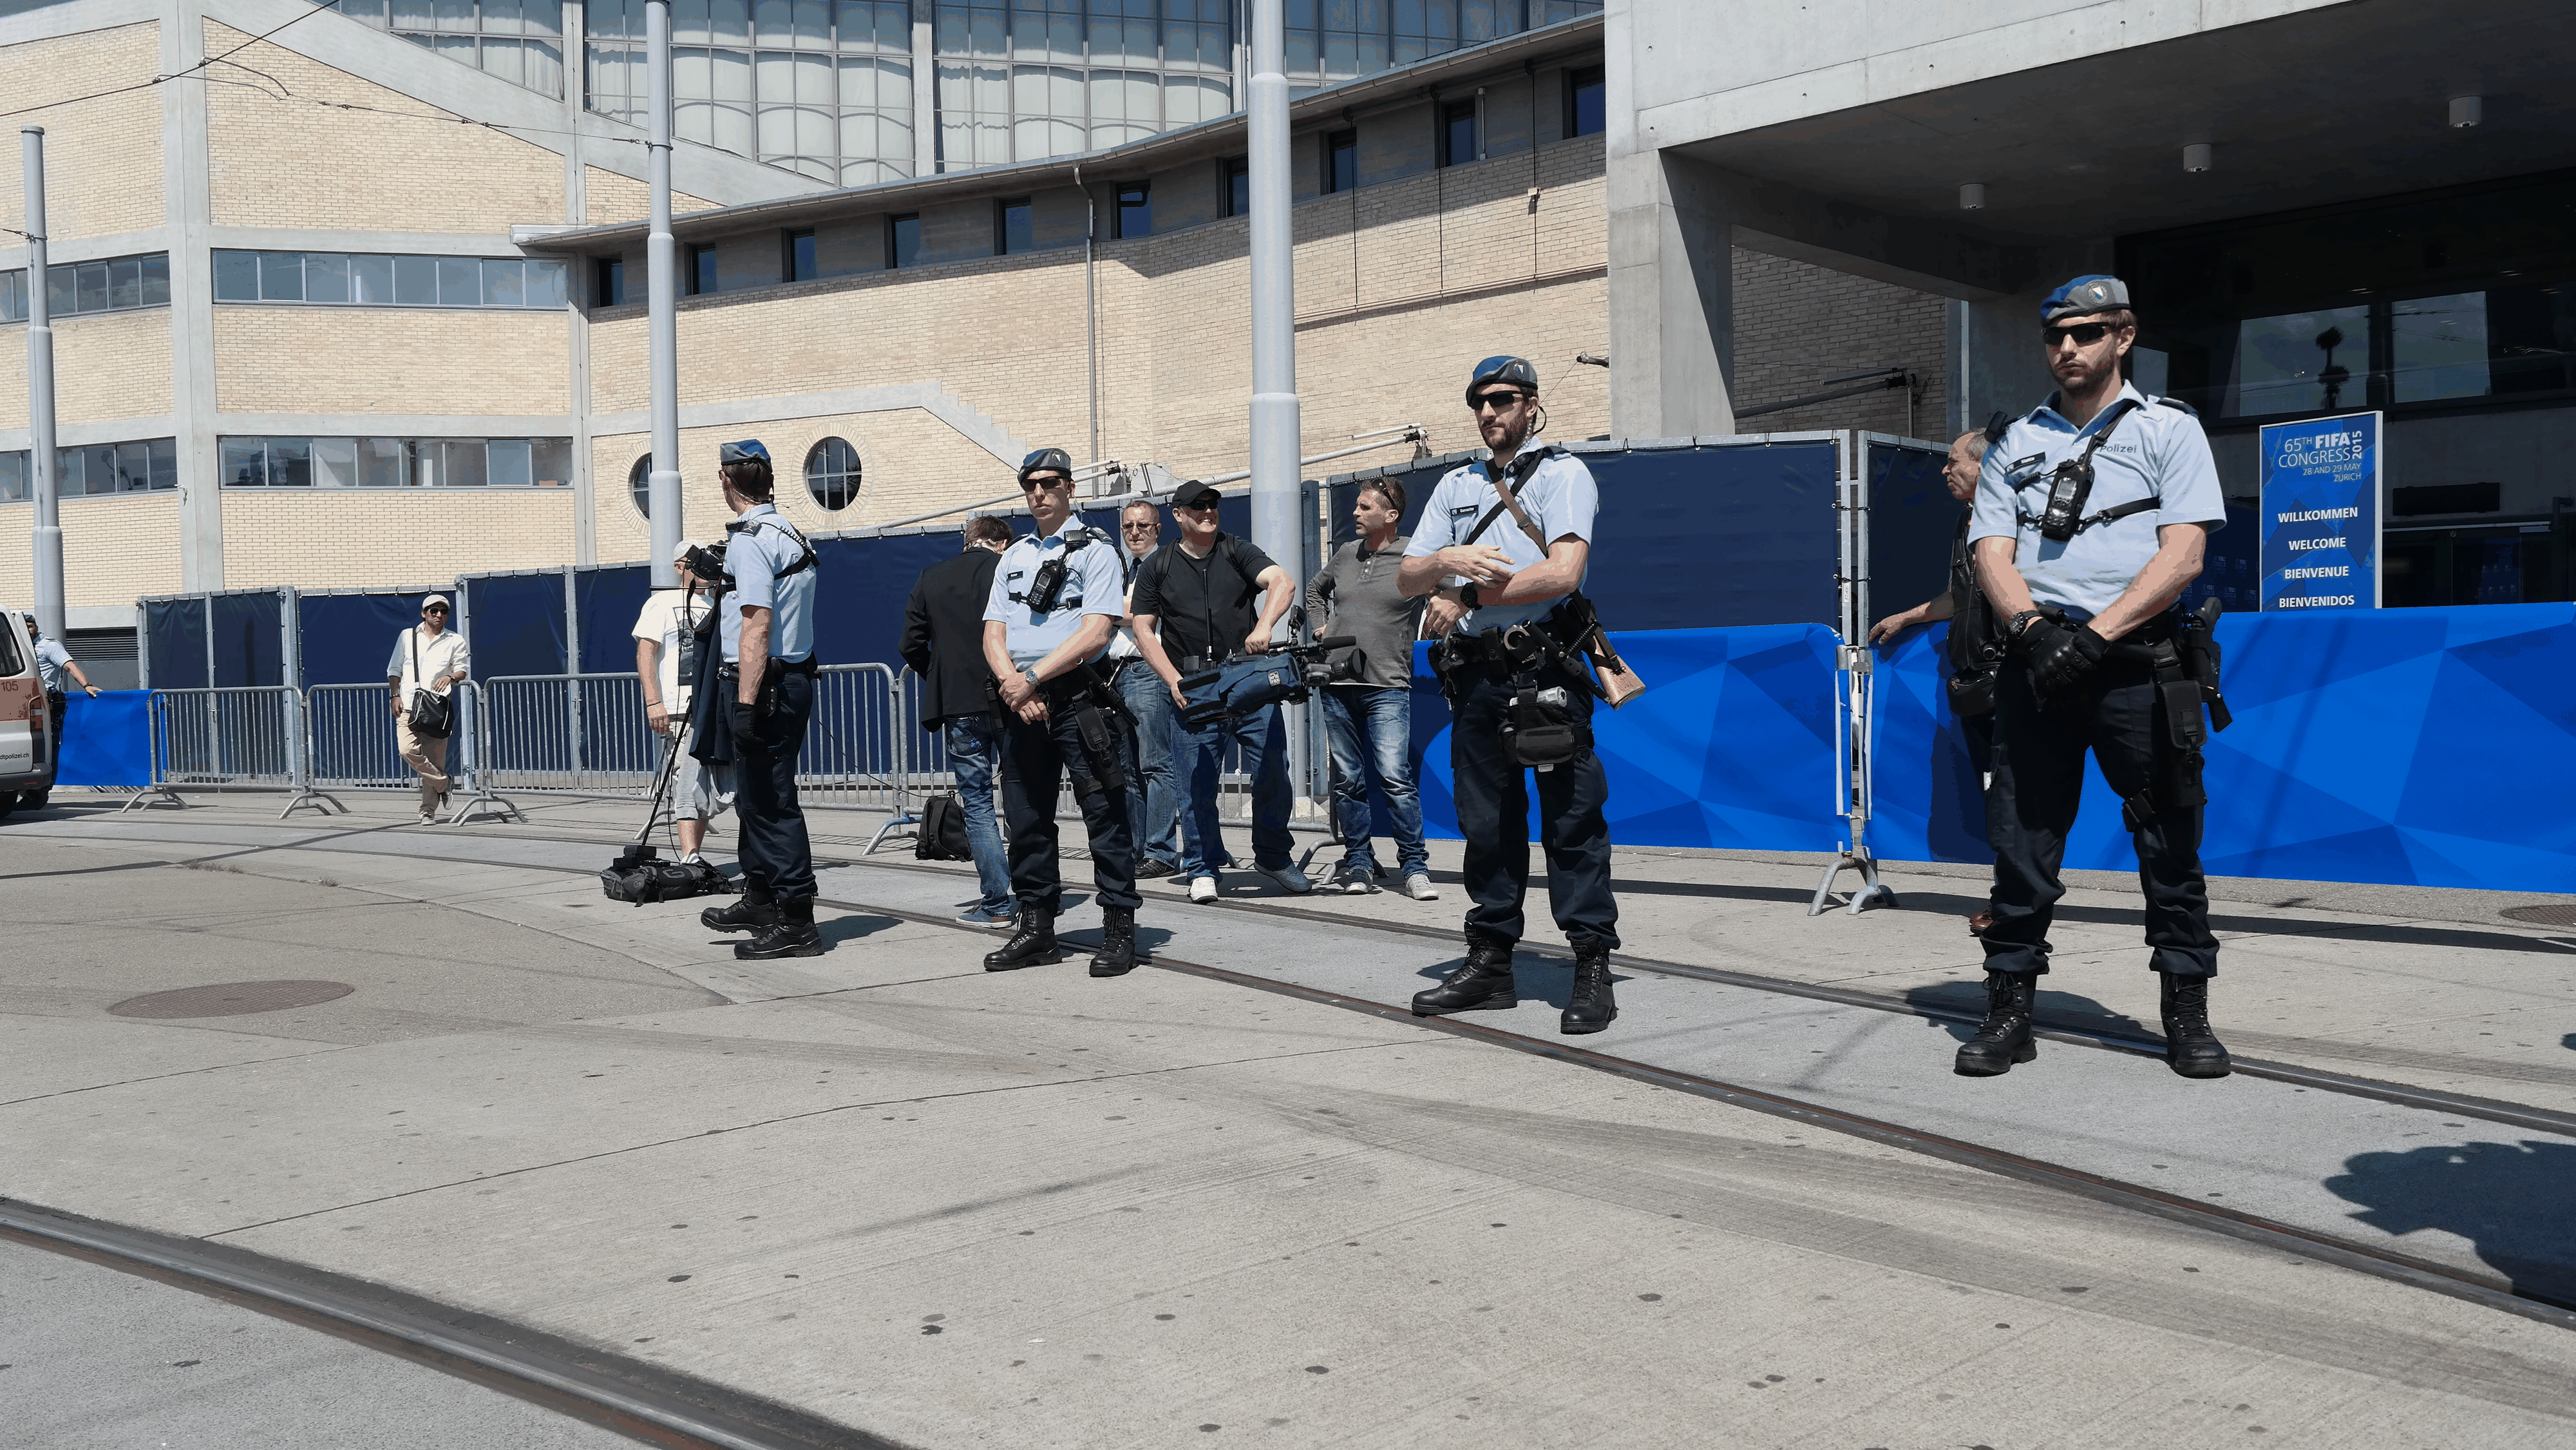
(2467, 111)
(2196, 156)
(1972, 196)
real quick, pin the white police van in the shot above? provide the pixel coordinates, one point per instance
(27, 747)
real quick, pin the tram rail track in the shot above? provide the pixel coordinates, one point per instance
(662, 1407)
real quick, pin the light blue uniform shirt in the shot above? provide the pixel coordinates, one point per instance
(53, 665)
(762, 543)
(2156, 452)
(1094, 583)
(1560, 498)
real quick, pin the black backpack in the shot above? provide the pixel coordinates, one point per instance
(941, 835)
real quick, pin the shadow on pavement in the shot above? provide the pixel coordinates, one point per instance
(838, 929)
(2056, 1009)
(2515, 1202)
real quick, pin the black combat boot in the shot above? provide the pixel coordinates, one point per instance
(2004, 1037)
(1591, 1007)
(790, 934)
(2190, 1047)
(1483, 984)
(1117, 954)
(751, 913)
(1032, 942)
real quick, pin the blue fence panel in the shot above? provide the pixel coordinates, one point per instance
(250, 647)
(346, 639)
(609, 599)
(1912, 520)
(515, 625)
(174, 642)
(858, 605)
(2421, 747)
(1732, 746)
(107, 741)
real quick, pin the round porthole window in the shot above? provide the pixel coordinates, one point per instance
(832, 474)
(638, 484)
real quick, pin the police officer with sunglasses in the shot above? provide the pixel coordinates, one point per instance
(2092, 514)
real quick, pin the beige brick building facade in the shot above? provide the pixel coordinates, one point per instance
(331, 143)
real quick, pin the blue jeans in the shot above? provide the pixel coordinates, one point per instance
(1386, 712)
(1153, 793)
(975, 752)
(1201, 749)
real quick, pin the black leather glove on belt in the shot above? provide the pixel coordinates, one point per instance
(2060, 656)
(746, 721)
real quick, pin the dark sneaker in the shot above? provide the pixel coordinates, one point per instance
(1149, 869)
(1354, 880)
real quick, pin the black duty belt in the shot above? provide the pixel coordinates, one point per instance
(1506, 647)
(806, 666)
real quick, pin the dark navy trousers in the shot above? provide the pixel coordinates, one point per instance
(777, 855)
(1492, 796)
(1034, 758)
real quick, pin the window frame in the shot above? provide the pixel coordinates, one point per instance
(608, 281)
(1578, 79)
(1118, 209)
(1002, 209)
(704, 257)
(106, 275)
(790, 268)
(856, 473)
(1335, 142)
(1449, 113)
(1228, 170)
(894, 248)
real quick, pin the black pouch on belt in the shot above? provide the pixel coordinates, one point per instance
(1541, 728)
(1100, 750)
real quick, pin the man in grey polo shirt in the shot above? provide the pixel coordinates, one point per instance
(2092, 514)
(1369, 720)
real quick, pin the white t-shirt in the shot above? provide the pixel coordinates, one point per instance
(444, 655)
(666, 614)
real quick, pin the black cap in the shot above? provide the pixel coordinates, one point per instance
(1197, 495)
(1045, 460)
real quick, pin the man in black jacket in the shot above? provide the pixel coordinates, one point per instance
(943, 641)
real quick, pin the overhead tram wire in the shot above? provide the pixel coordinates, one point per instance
(174, 75)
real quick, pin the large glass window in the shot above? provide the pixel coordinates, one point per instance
(149, 465)
(393, 462)
(117, 284)
(339, 279)
(1019, 80)
(814, 86)
(1332, 41)
(521, 41)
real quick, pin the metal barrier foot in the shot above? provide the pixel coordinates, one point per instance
(321, 801)
(500, 807)
(151, 795)
(891, 823)
(1872, 891)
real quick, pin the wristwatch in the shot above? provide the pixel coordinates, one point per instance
(1467, 595)
(1030, 674)
(2019, 622)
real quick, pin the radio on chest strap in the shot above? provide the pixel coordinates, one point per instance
(806, 558)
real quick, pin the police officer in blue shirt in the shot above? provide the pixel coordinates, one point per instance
(1505, 595)
(2092, 513)
(1057, 596)
(765, 689)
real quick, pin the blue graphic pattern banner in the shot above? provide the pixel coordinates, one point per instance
(2321, 513)
(2422, 747)
(1733, 744)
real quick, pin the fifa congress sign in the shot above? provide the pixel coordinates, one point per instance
(2321, 513)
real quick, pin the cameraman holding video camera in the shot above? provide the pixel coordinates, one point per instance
(1194, 600)
(1055, 600)
(1508, 663)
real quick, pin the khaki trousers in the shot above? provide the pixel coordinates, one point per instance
(427, 757)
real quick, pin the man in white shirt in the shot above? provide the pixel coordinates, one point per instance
(428, 658)
(670, 637)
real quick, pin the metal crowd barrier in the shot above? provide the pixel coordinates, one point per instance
(241, 737)
(350, 745)
(579, 735)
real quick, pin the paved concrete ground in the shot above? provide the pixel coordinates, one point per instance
(1035, 1209)
(100, 1360)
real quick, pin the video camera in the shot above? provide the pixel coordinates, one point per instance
(708, 563)
(1247, 684)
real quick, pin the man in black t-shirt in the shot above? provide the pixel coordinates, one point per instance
(1193, 607)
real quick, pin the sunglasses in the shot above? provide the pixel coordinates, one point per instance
(1497, 400)
(2085, 334)
(426, 613)
(1143, 528)
(1032, 485)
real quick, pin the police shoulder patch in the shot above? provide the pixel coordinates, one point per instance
(2018, 464)
(1463, 511)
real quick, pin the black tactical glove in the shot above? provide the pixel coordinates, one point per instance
(2060, 656)
(746, 721)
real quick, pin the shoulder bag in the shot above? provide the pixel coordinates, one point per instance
(429, 710)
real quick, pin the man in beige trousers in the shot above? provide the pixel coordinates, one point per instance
(430, 658)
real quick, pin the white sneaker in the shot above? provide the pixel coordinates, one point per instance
(427, 818)
(1203, 889)
(1419, 887)
(1288, 876)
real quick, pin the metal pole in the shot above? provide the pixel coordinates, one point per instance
(1276, 423)
(47, 545)
(662, 485)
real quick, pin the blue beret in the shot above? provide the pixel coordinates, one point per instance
(1043, 460)
(2084, 296)
(1502, 368)
(743, 452)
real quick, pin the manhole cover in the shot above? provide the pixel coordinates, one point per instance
(230, 999)
(2542, 915)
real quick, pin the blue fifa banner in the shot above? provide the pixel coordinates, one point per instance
(2321, 513)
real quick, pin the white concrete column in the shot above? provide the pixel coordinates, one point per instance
(2006, 369)
(925, 92)
(1672, 299)
(188, 210)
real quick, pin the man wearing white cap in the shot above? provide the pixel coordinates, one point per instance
(670, 636)
(427, 660)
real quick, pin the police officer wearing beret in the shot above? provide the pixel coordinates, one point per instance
(1057, 596)
(1505, 595)
(2092, 514)
(765, 690)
